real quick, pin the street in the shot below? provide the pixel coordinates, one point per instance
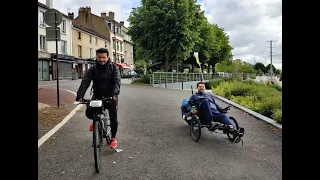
(157, 144)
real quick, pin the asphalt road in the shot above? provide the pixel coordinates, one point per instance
(156, 144)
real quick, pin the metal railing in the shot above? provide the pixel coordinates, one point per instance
(159, 78)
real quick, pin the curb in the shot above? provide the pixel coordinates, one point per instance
(255, 114)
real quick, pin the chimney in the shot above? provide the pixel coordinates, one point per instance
(87, 14)
(88, 9)
(111, 15)
(103, 15)
(49, 3)
(71, 15)
(122, 23)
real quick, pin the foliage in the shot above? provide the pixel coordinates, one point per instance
(260, 67)
(144, 79)
(166, 29)
(255, 96)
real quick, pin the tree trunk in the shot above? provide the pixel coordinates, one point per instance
(166, 65)
(213, 66)
(192, 64)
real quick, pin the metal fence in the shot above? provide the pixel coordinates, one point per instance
(177, 80)
(185, 80)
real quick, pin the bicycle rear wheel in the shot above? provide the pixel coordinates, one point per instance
(97, 144)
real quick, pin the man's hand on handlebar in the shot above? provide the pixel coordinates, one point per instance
(225, 110)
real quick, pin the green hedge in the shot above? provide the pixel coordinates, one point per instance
(255, 96)
(144, 79)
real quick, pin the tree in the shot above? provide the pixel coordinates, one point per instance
(260, 66)
(268, 68)
(221, 48)
(167, 30)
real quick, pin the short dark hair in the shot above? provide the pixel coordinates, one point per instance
(200, 83)
(102, 50)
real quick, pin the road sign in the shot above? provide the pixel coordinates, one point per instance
(49, 17)
(51, 33)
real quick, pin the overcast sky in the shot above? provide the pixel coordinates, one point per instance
(249, 23)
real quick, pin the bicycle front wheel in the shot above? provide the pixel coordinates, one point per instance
(97, 144)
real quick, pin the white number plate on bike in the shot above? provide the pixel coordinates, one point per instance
(96, 103)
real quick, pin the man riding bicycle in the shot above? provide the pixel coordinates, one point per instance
(106, 83)
(208, 109)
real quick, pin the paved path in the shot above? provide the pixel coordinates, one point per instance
(156, 144)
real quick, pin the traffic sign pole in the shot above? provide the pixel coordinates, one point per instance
(53, 18)
(55, 26)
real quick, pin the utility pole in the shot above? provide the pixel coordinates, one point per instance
(271, 69)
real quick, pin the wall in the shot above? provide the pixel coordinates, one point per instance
(84, 42)
(51, 45)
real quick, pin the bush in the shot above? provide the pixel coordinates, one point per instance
(253, 76)
(276, 86)
(255, 96)
(144, 79)
(213, 83)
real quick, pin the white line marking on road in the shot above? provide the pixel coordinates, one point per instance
(58, 126)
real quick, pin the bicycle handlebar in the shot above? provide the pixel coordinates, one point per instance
(86, 101)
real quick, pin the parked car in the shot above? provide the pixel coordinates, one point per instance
(130, 74)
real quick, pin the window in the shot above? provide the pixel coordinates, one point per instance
(43, 43)
(117, 45)
(79, 35)
(90, 39)
(96, 41)
(63, 26)
(105, 44)
(120, 46)
(41, 19)
(63, 47)
(90, 52)
(109, 24)
(114, 44)
(79, 51)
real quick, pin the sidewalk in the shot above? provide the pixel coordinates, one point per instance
(49, 96)
(49, 115)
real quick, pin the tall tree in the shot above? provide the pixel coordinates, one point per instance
(167, 30)
(260, 66)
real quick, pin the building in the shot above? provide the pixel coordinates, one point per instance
(108, 28)
(128, 46)
(116, 33)
(85, 43)
(47, 49)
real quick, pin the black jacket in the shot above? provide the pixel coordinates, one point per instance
(106, 80)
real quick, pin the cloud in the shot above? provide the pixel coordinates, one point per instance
(122, 8)
(249, 23)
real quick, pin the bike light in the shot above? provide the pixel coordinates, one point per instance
(96, 103)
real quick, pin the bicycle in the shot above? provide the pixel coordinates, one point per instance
(197, 124)
(101, 126)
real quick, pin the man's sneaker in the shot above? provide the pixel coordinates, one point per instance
(113, 143)
(90, 127)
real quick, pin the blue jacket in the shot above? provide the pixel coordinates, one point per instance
(194, 101)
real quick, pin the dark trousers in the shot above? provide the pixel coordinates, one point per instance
(207, 114)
